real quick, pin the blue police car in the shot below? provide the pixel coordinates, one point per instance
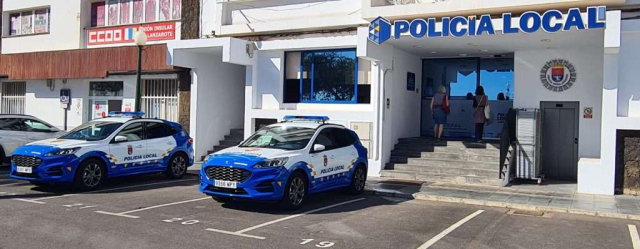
(286, 162)
(120, 145)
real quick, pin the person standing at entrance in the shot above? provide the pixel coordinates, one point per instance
(479, 102)
(439, 110)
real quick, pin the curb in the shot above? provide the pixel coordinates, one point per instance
(499, 204)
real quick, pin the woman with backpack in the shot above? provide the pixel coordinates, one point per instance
(439, 110)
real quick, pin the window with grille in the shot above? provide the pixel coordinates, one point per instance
(13, 97)
(160, 98)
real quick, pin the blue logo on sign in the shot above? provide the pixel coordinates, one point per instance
(379, 30)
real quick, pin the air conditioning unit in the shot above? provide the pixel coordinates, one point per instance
(528, 143)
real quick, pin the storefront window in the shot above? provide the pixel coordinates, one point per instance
(106, 88)
(121, 12)
(29, 22)
(97, 14)
(461, 77)
(496, 76)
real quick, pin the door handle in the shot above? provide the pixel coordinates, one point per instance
(575, 140)
(139, 146)
(332, 156)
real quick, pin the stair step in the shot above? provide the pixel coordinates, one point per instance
(401, 147)
(453, 147)
(416, 140)
(455, 179)
(469, 171)
(446, 156)
(229, 143)
(234, 137)
(446, 163)
(220, 147)
(237, 132)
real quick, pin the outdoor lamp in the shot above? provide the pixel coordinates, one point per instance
(140, 38)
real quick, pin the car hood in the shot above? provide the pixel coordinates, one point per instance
(238, 156)
(62, 143)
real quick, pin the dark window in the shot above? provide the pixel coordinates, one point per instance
(12, 124)
(343, 137)
(157, 130)
(326, 138)
(328, 76)
(98, 14)
(36, 126)
(133, 132)
(106, 88)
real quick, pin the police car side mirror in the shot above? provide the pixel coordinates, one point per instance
(120, 139)
(318, 147)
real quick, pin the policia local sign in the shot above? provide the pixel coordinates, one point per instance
(552, 21)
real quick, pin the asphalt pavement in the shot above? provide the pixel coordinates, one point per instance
(154, 212)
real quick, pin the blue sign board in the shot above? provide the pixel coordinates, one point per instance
(552, 21)
(65, 96)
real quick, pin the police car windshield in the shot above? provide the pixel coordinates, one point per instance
(92, 131)
(280, 137)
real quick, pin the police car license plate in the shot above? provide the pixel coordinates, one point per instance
(226, 184)
(27, 170)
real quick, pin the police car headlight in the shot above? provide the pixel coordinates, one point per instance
(63, 152)
(206, 158)
(271, 163)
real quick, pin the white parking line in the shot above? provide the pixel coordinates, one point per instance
(243, 231)
(31, 201)
(235, 233)
(297, 215)
(110, 189)
(635, 240)
(449, 230)
(126, 214)
(10, 184)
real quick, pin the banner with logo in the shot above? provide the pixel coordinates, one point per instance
(124, 34)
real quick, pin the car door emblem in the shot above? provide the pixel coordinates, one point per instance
(326, 160)
(130, 149)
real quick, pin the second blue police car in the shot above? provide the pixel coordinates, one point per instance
(286, 162)
(120, 145)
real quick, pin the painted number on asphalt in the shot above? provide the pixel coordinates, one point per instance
(323, 244)
(187, 222)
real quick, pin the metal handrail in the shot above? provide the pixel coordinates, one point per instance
(507, 138)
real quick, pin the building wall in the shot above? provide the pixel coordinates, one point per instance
(628, 82)
(529, 91)
(216, 100)
(65, 29)
(256, 17)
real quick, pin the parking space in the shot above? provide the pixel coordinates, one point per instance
(153, 212)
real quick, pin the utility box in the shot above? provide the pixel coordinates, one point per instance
(363, 129)
(528, 143)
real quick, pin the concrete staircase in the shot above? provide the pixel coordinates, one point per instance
(458, 162)
(234, 138)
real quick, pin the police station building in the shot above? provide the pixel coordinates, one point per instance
(566, 69)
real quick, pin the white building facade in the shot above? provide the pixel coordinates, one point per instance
(87, 47)
(258, 61)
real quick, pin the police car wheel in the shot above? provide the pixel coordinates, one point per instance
(358, 180)
(177, 167)
(89, 175)
(295, 192)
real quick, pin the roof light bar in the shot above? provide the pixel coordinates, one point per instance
(126, 114)
(306, 118)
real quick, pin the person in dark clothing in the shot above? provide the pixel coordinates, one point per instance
(480, 101)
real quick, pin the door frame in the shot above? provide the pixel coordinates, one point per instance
(564, 105)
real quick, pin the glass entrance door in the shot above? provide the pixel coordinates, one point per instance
(460, 77)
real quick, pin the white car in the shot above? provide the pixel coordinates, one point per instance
(18, 130)
(287, 161)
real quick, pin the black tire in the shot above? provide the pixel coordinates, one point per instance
(177, 166)
(358, 180)
(89, 175)
(222, 199)
(295, 192)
